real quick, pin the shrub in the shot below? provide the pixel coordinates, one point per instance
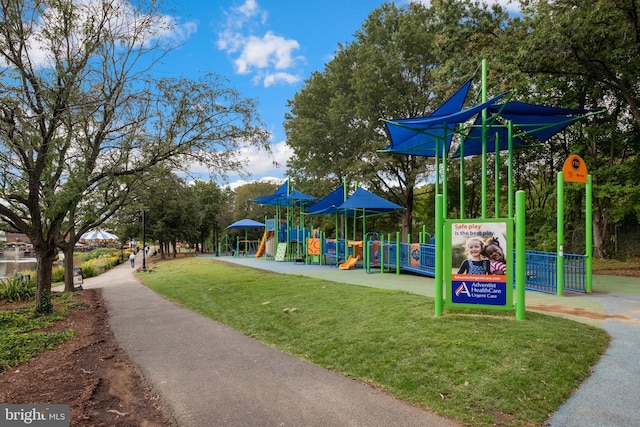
(100, 253)
(88, 270)
(57, 275)
(16, 288)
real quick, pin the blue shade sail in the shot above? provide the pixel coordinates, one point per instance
(473, 141)
(540, 121)
(363, 200)
(246, 223)
(282, 197)
(329, 203)
(419, 136)
(281, 193)
(454, 103)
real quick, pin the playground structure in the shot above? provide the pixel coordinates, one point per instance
(388, 254)
(431, 136)
(243, 246)
(494, 130)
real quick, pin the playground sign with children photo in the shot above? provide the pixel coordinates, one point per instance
(479, 263)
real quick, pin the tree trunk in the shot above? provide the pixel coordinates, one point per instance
(45, 254)
(407, 215)
(407, 224)
(600, 232)
(68, 268)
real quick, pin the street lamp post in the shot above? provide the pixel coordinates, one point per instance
(144, 244)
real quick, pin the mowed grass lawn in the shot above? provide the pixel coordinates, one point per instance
(479, 367)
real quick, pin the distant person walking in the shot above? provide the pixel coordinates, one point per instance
(132, 259)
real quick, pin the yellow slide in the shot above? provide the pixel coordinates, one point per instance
(349, 263)
(263, 245)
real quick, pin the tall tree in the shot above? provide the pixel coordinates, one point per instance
(210, 199)
(81, 117)
(588, 53)
(401, 64)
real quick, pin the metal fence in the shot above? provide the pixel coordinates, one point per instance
(541, 267)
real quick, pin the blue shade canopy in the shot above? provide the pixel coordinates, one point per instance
(454, 103)
(419, 136)
(284, 197)
(281, 192)
(329, 203)
(473, 141)
(300, 198)
(246, 223)
(363, 200)
(539, 121)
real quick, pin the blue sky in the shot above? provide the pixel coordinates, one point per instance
(266, 49)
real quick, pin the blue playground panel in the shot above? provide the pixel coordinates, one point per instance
(299, 234)
(329, 249)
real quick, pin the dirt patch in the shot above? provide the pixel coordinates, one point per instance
(90, 372)
(627, 272)
(579, 312)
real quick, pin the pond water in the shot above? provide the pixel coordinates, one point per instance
(11, 261)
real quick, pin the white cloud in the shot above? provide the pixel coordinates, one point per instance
(249, 8)
(260, 164)
(239, 183)
(268, 57)
(281, 153)
(275, 78)
(266, 52)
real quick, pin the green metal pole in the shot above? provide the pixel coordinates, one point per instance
(589, 235)
(510, 170)
(398, 245)
(496, 181)
(365, 253)
(439, 232)
(484, 140)
(520, 255)
(437, 166)
(462, 181)
(389, 241)
(382, 254)
(337, 238)
(364, 236)
(445, 187)
(560, 234)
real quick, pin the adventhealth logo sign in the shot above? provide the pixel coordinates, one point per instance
(36, 415)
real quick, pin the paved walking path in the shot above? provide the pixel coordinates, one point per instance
(209, 374)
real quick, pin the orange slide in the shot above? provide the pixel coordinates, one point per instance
(263, 244)
(349, 263)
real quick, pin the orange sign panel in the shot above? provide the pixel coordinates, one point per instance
(313, 246)
(574, 169)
